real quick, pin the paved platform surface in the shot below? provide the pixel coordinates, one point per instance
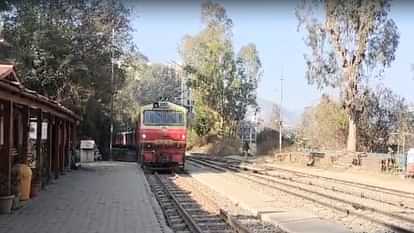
(263, 205)
(104, 197)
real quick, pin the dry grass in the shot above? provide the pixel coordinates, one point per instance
(218, 146)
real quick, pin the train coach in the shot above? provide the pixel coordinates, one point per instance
(124, 139)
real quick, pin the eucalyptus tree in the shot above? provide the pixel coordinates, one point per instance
(224, 84)
(349, 41)
(157, 81)
(250, 72)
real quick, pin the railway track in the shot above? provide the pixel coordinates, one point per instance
(391, 197)
(184, 215)
(384, 190)
(394, 217)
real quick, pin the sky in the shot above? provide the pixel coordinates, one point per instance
(159, 27)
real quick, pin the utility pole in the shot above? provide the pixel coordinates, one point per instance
(184, 93)
(179, 73)
(112, 96)
(403, 143)
(280, 112)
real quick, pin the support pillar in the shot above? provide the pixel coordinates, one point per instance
(6, 158)
(60, 146)
(25, 152)
(55, 148)
(39, 155)
(64, 145)
(70, 145)
(49, 147)
(74, 140)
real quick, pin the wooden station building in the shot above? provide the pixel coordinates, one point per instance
(33, 129)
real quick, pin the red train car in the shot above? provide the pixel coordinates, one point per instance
(161, 135)
(124, 139)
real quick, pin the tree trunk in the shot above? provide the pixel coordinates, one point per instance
(352, 136)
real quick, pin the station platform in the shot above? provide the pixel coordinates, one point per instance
(264, 205)
(101, 197)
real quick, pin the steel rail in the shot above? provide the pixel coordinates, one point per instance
(235, 225)
(191, 224)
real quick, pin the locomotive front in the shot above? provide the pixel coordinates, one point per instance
(161, 136)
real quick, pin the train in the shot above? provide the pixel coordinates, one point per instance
(159, 137)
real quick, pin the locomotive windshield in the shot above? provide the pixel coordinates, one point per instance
(152, 117)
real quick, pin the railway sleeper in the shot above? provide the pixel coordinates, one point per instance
(222, 231)
(216, 227)
(181, 195)
(167, 205)
(203, 216)
(208, 221)
(164, 198)
(190, 205)
(180, 192)
(175, 217)
(183, 231)
(186, 200)
(195, 211)
(177, 220)
(178, 226)
(171, 212)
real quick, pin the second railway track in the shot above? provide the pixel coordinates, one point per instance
(399, 219)
(391, 197)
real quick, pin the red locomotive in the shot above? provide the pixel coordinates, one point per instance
(161, 135)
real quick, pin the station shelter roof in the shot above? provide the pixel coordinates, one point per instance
(12, 89)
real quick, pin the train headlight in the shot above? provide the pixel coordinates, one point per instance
(144, 136)
(183, 136)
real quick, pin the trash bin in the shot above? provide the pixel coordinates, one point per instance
(87, 153)
(25, 175)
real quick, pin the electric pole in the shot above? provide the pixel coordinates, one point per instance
(280, 112)
(179, 74)
(112, 96)
(183, 89)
